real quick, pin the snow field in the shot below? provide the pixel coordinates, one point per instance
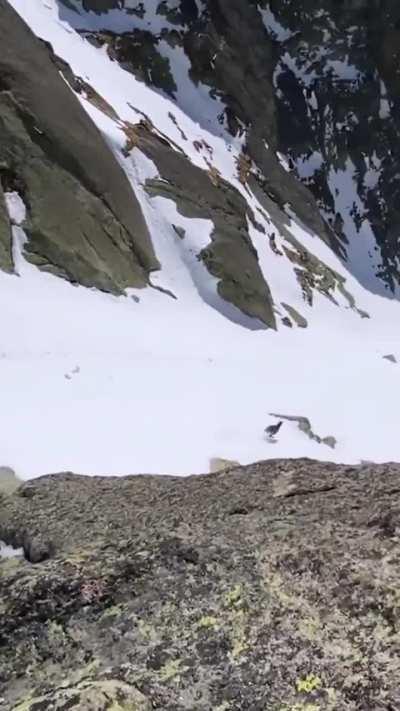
(97, 384)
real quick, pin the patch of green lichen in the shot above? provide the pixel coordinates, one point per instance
(55, 632)
(309, 627)
(78, 556)
(308, 684)
(9, 565)
(238, 634)
(277, 586)
(208, 621)
(301, 707)
(27, 704)
(119, 706)
(113, 611)
(81, 675)
(89, 670)
(170, 670)
(147, 631)
(233, 598)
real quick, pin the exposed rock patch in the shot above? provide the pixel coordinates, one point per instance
(6, 260)
(337, 97)
(314, 83)
(305, 426)
(299, 320)
(217, 464)
(137, 52)
(84, 222)
(9, 481)
(257, 588)
(107, 695)
(230, 256)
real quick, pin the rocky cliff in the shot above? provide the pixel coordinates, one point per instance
(317, 86)
(307, 97)
(291, 92)
(272, 586)
(83, 220)
(337, 94)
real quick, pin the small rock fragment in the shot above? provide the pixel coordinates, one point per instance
(179, 231)
(219, 465)
(299, 320)
(9, 481)
(37, 550)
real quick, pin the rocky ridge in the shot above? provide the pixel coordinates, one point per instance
(267, 71)
(314, 92)
(272, 586)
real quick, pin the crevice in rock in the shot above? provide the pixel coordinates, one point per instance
(163, 290)
(12, 181)
(308, 492)
(35, 548)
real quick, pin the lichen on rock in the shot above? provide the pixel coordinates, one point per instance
(167, 593)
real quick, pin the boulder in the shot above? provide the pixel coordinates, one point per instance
(9, 481)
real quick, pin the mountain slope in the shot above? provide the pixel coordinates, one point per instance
(187, 370)
(83, 220)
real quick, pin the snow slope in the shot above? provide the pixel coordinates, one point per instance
(148, 383)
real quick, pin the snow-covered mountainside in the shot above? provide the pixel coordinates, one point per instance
(198, 227)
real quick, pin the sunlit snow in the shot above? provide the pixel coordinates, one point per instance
(150, 383)
(9, 551)
(275, 29)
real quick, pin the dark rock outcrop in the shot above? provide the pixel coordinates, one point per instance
(230, 51)
(338, 94)
(230, 256)
(101, 5)
(319, 84)
(83, 219)
(234, 54)
(272, 586)
(6, 260)
(198, 193)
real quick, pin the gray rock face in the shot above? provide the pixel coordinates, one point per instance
(230, 256)
(6, 261)
(9, 481)
(230, 51)
(299, 320)
(319, 84)
(84, 222)
(257, 588)
(338, 93)
(234, 54)
(101, 5)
